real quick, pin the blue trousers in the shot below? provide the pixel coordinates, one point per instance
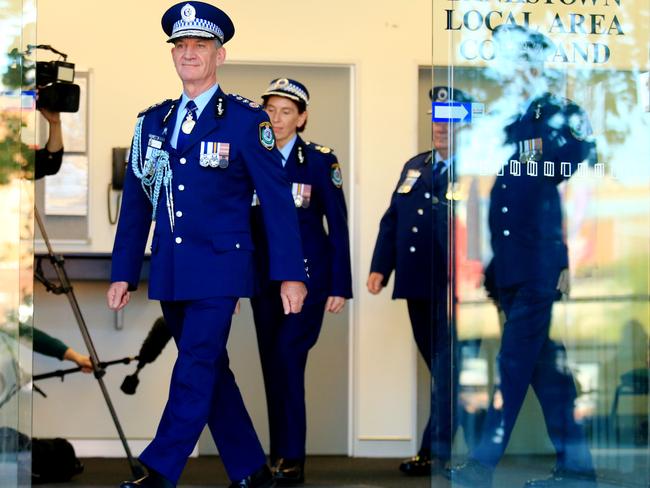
(436, 343)
(284, 342)
(529, 357)
(203, 391)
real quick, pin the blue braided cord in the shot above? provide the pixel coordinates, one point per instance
(154, 173)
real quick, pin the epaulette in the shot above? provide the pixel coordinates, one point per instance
(319, 148)
(245, 102)
(425, 156)
(155, 106)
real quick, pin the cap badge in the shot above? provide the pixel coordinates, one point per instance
(188, 13)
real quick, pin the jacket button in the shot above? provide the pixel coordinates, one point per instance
(412, 249)
(179, 213)
(181, 187)
(183, 160)
(504, 209)
(506, 232)
(414, 230)
(427, 195)
(179, 240)
(420, 211)
(504, 186)
(237, 245)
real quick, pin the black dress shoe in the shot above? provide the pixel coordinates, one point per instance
(472, 474)
(423, 465)
(262, 478)
(152, 480)
(288, 471)
(565, 478)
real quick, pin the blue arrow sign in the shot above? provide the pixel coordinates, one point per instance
(451, 112)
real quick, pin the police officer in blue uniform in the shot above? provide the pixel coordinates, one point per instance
(285, 340)
(551, 140)
(193, 165)
(412, 240)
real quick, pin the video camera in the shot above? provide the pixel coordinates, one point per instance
(54, 82)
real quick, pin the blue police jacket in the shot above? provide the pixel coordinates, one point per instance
(317, 190)
(209, 250)
(412, 238)
(552, 138)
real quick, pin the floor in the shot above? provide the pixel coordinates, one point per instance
(321, 472)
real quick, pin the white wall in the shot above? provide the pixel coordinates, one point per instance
(123, 45)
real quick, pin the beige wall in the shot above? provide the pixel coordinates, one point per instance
(385, 42)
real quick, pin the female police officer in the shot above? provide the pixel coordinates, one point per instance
(285, 340)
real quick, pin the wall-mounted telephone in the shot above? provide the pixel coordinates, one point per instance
(119, 161)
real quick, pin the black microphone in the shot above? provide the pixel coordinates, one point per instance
(154, 343)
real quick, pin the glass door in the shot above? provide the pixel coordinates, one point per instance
(17, 140)
(547, 112)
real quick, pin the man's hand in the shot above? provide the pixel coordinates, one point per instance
(564, 282)
(237, 308)
(82, 361)
(293, 295)
(334, 304)
(118, 295)
(374, 282)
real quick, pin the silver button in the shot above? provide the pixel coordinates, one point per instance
(183, 160)
(506, 232)
(179, 240)
(504, 186)
(420, 211)
(427, 195)
(179, 213)
(504, 209)
(237, 245)
(412, 249)
(414, 230)
(181, 187)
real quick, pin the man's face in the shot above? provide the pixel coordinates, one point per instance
(196, 60)
(440, 136)
(284, 117)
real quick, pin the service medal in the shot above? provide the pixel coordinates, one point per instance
(187, 126)
(298, 200)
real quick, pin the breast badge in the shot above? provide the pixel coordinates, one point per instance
(411, 177)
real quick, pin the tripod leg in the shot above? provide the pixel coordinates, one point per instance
(66, 286)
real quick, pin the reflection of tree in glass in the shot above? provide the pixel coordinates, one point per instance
(20, 71)
(14, 154)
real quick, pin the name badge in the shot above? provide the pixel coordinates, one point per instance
(411, 177)
(154, 146)
(215, 154)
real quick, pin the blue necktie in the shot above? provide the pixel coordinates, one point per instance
(187, 125)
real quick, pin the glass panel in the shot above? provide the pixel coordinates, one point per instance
(17, 138)
(548, 113)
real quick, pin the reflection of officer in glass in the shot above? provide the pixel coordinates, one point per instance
(412, 240)
(285, 340)
(550, 137)
(196, 160)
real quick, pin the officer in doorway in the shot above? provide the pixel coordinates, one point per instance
(285, 340)
(412, 241)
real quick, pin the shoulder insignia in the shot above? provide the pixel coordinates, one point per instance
(319, 148)
(267, 138)
(251, 105)
(300, 154)
(337, 177)
(154, 107)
